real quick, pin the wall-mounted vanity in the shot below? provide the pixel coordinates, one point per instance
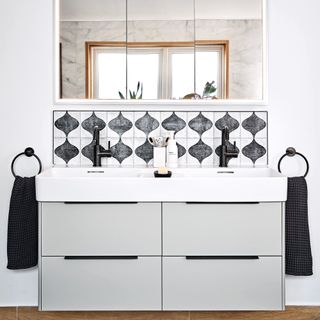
(119, 239)
(208, 50)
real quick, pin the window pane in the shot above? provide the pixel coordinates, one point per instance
(207, 70)
(182, 82)
(144, 67)
(110, 75)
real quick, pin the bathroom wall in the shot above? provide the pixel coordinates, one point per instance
(26, 101)
(244, 36)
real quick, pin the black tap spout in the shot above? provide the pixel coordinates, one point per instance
(98, 153)
(225, 154)
(96, 135)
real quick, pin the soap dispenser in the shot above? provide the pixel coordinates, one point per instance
(172, 151)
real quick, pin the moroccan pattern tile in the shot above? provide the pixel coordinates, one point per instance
(198, 136)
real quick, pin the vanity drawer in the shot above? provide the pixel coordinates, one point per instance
(225, 284)
(131, 284)
(222, 229)
(101, 229)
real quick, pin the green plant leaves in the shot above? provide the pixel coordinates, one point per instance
(209, 88)
(121, 95)
(136, 94)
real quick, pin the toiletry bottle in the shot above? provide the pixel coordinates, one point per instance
(172, 151)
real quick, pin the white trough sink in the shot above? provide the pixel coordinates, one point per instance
(139, 185)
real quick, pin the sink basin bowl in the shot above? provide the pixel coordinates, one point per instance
(139, 185)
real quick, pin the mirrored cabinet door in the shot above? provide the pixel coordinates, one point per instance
(160, 49)
(92, 49)
(229, 49)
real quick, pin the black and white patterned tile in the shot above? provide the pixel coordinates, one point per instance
(89, 120)
(122, 147)
(198, 136)
(201, 150)
(254, 138)
(177, 122)
(146, 124)
(232, 121)
(66, 138)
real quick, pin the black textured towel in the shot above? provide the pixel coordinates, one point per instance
(298, 248)
(22, 247)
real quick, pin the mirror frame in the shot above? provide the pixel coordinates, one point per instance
(157, 104)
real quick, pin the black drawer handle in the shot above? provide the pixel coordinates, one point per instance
(222, 257)
(222, 202)
(101, 257)
(86, 202)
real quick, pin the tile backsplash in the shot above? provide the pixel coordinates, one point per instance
(198, 135)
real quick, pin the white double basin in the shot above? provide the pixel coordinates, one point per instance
(139, 185)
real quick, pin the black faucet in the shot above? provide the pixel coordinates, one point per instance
(98, 153)
(226, 154)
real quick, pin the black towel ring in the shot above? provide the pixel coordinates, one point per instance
(29, 152)
(291, 152)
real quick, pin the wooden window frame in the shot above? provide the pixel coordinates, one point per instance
(94, 44)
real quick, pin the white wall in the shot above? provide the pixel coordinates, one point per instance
(25, 118)
(294, 67)
(25, 98)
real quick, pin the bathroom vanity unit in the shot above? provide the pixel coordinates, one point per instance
(119, 239)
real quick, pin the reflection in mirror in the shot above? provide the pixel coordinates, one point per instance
(161, 48)
(93, 48)
(235, 61)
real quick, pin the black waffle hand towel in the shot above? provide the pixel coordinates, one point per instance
(22, 247)
(298, 248)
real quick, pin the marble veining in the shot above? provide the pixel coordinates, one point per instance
(246, 63)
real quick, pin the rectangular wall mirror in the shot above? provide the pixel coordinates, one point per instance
(180, 50)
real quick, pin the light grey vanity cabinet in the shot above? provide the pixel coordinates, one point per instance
(222, 229)
(222, 256)
(161, 256)
(100, 256)
(222, 284)
(101, 284)
(101, 229)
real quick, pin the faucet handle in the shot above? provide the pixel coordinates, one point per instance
(235, 147)
(109, 145)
